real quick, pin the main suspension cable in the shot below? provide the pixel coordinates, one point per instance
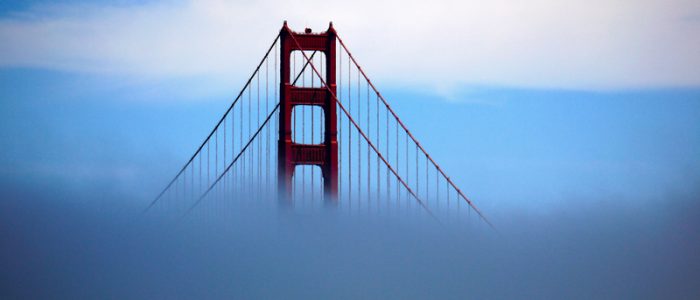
(216, 127)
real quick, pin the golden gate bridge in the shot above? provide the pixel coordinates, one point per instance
(310, 131)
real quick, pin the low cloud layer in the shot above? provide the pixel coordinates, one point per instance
(60, 245)
(544, 44)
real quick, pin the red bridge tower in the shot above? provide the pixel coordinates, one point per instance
(291, 154)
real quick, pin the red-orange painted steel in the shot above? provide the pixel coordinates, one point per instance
(291, 154)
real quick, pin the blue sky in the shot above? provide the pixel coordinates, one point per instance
(517, 129)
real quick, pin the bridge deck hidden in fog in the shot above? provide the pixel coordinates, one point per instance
(337, 143)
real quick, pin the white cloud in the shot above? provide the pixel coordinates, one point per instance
(544, 44)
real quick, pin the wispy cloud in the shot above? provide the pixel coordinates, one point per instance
(544, 44)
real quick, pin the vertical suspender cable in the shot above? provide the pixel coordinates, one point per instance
(267, 130)
(224, 156)
(369, 169)
(387, 153)
(417, 176)
(234, 188)
(177, 194)
(359, 148)
(216, 156)
(240, 137)
(200, 173)
(448, 195)
(303, 139)
(408, 203)
(340, 124)
(208, 162)
(274, 89)
(250, 153)
(398, 163)
(259, 158)
(294, 125)
(427, 181)
(192, 180)
(437, 188)
(312, 142)
(184, 186)
(349, 141)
